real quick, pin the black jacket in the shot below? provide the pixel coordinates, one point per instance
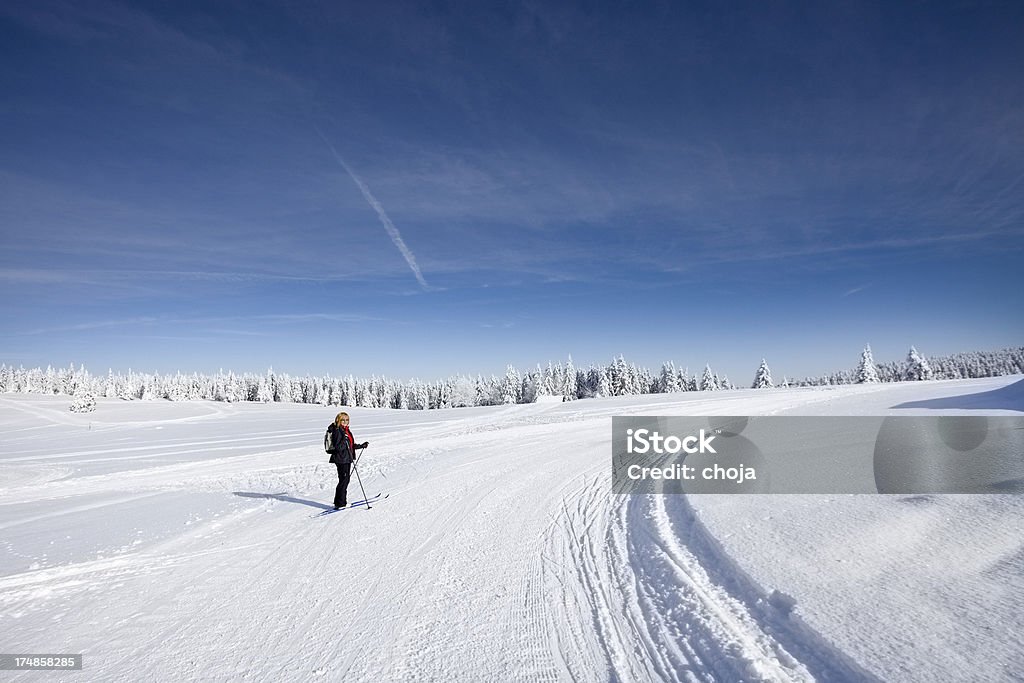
(342, 451)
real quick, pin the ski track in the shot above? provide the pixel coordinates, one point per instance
(653, 609)
(293, 438)
(487, 563)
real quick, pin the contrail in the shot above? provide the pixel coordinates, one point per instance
(392, 231)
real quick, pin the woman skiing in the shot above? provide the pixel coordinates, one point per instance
(343, 450)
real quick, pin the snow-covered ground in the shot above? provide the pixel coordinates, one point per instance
(185, 541)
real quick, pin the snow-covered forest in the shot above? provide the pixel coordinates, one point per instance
(556, 381)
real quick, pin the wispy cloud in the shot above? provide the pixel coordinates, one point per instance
(817, 250)
(853, 291)
(314, 317)
(42, 276)
(389, 227)
(160, 322)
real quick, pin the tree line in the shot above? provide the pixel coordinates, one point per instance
(556, 381)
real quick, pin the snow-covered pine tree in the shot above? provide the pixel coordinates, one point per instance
(569, 382)
(265, 389)
(634, 380)
(668, 381)
(375, 397)
(480, 389)
(148, 391)
(281, 388)
(866, 372)
(763, 377)
(512, 386)
(34, 381)
(707, 380)
(686, 383)
(617, 378)
(494, 388)
(219, 389)
(464, 393)
(421, 396)
(64, 380)
(550, 379)
(110, 385)
(227, 386)
(604, 385)
(917, 367)
(541, 383)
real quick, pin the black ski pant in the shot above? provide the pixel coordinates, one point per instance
(344, 474)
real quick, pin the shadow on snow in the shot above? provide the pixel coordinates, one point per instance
(286, 498)
(1010, 397)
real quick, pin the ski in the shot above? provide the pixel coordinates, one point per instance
(372, 499)
(368, 501)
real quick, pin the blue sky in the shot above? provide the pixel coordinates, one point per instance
(417, 189)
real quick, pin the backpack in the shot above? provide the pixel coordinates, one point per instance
(329, 440)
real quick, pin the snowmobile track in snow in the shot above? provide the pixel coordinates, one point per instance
(664, 605)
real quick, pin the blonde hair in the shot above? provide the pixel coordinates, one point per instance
(337, 418)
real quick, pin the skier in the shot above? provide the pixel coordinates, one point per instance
(343, 449)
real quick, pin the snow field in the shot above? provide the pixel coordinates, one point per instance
(182, 540)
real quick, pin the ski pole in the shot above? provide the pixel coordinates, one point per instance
(360, 480)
